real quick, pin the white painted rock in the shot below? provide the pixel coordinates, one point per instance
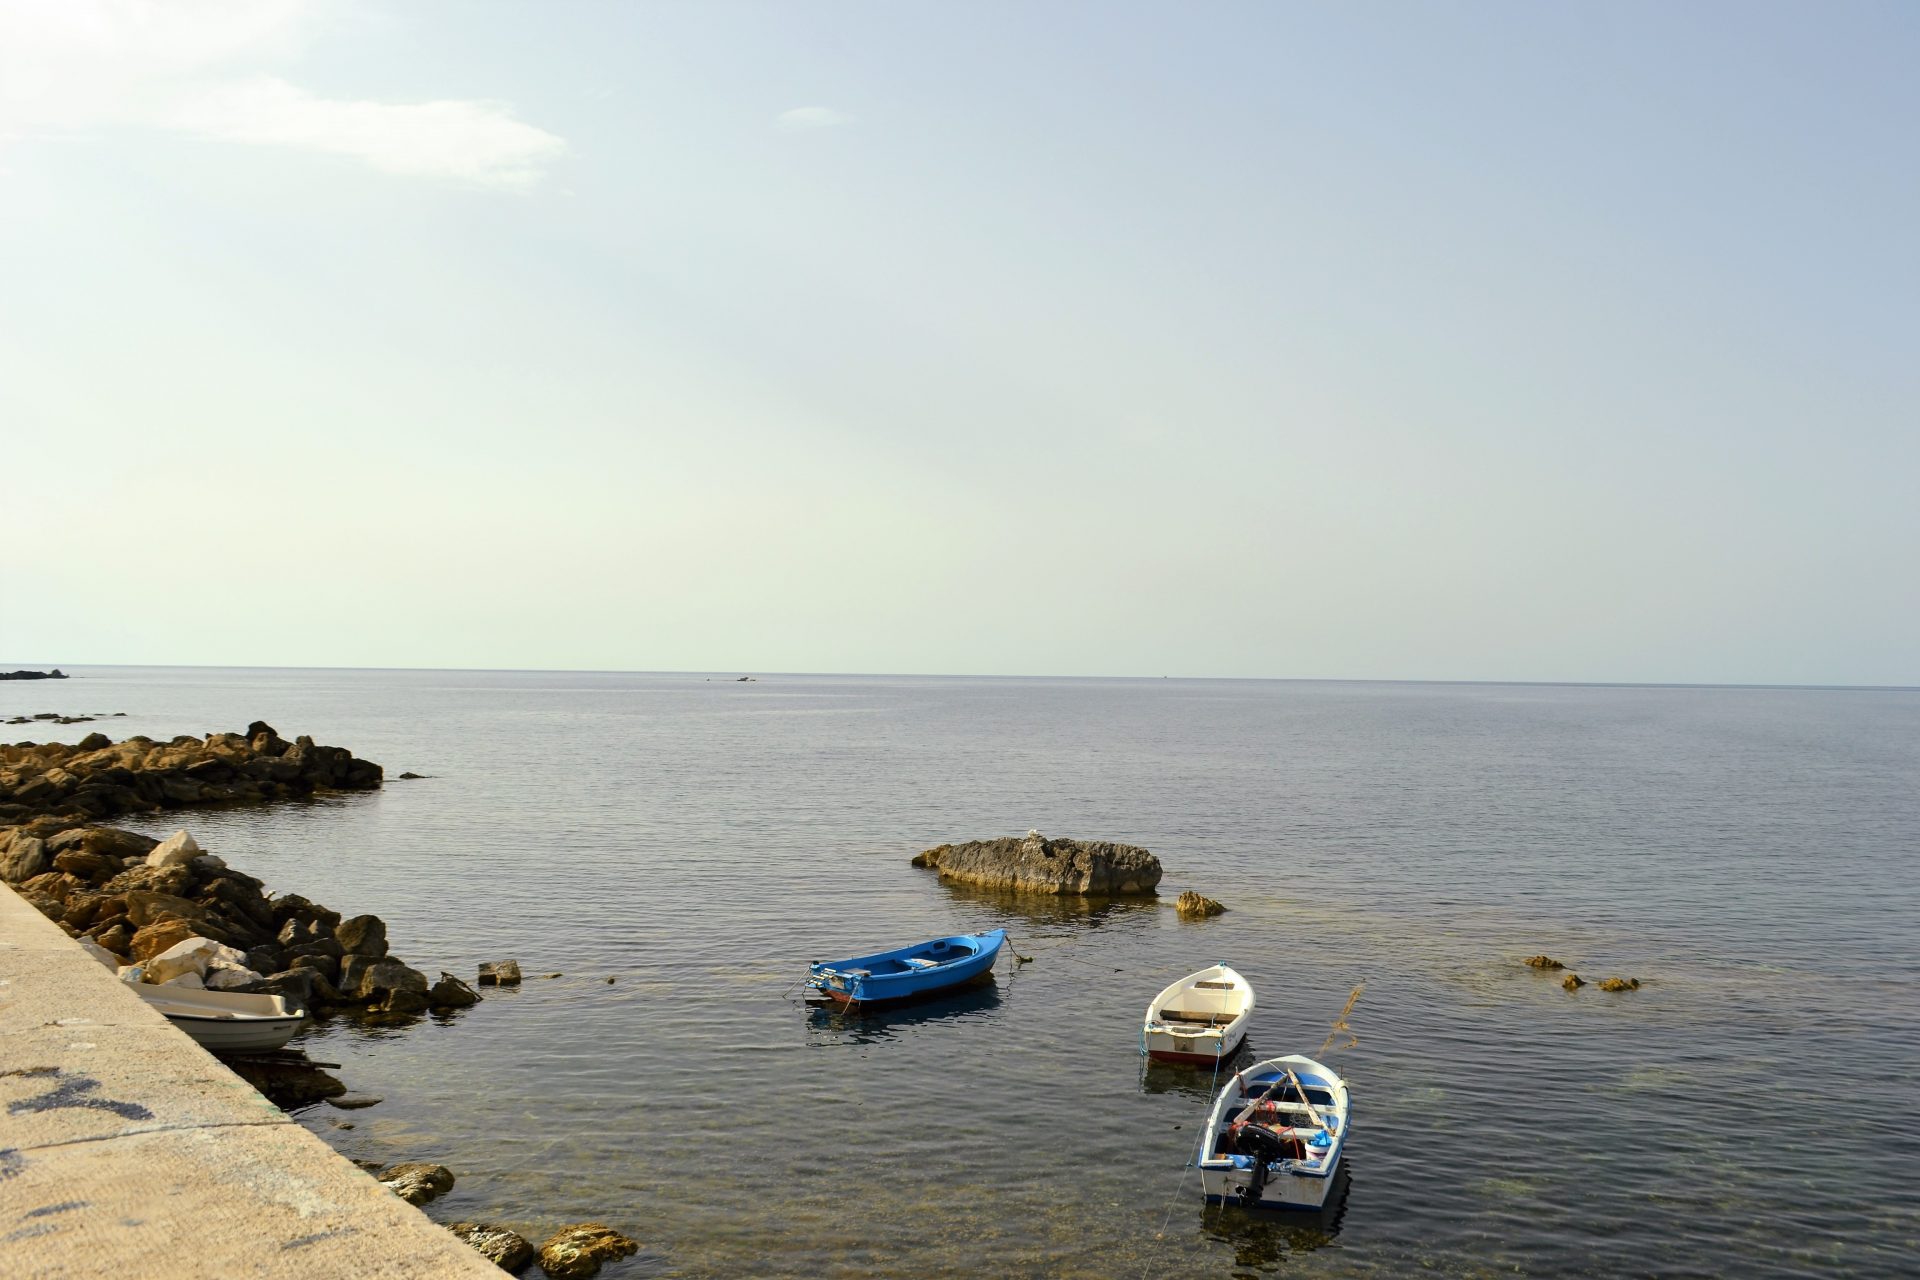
(134, 974)
(192, 955)
(175, 850)
(187, 979)
(100, 953)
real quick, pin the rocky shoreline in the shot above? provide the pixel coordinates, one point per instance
(145, 902)
(168, 911)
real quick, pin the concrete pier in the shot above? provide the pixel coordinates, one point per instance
(127, 1150)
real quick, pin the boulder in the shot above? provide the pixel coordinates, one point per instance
(229, 978)
(503, 1248)
(96, 868)
(176, 850)
(187, 979)
(1573, 982)
(581, 1249)
(500, 973)
(145, 907)
(451, 993)
(1192, 906)
(417, 1183)
(363, 936)
(193, 955)
(307, 988)
(115, 937)
(1035, 864)
(388, 986)
(1619, 984)
(116, 843)
(1543, 962)
(150, 940)
(25, 858)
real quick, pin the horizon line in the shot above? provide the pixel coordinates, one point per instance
(736, 675)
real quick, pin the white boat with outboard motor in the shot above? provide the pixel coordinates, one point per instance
(1275, 1135)
(1201, 1019)
(226, 1021)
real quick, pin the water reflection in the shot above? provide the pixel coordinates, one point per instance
(1264, 1239)
(831, 1024)
(1022, 910)
(1190, 1080)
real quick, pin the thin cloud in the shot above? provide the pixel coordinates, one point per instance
(195, 66)
(467, 141)
(802, 119)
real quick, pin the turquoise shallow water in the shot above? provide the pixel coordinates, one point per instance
(1749, 854)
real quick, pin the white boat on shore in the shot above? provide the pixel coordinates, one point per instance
(1201, 1019)
(1275, 1135)
(226, 1021)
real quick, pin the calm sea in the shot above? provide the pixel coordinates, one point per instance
(1748, 854)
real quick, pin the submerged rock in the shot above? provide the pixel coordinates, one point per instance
(1542, 962)
(579, 1250)
(1573, 982)
(1036, 864)
(508, 1250)
(1619, 984)
(288, 1084)
(1192, 906)
(417, 1183)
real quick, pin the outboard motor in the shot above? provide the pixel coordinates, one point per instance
(1265, 1146)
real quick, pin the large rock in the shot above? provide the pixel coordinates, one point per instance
(176, 850)
(451, 993)
(505, 1249)
(24, 859)
(581, 1249)
(150, 940)
(1036, 864)
(388, 986)
(417, 1183)
(500, 973)
(194, 955)
(1192, 905)
(363, 936)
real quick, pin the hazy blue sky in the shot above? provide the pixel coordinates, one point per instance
(1482, 341)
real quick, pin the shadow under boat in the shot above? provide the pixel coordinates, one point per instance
(1262, 1239)
(832, 1022)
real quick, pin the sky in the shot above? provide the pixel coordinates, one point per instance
(1488, 341)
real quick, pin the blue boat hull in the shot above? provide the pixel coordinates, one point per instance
(908, 973)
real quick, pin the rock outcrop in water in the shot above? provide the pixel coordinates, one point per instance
(55, 674)
(1542, 962)
(1035, 864)
(580, 1250)
(507, 1250)
(1192, 905)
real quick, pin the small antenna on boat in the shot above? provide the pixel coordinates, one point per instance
(1340, 1026)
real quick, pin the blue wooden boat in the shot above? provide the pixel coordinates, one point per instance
(909, 972)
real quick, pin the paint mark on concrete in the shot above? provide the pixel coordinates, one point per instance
(11, 1163)
(47, 1211)
(69, 1095)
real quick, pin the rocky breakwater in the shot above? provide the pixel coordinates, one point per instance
(98, 778)
(168, 911)
(1036, 864)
